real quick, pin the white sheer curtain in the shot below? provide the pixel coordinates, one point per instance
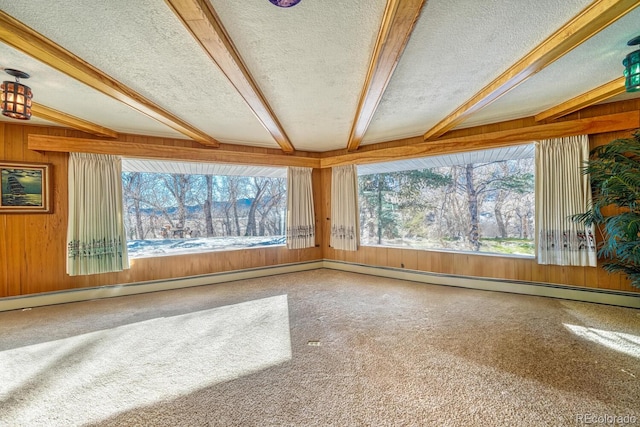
(344, 208)
(562, 191)
(301, 227)
(96, 239)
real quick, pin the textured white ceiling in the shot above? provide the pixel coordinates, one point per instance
(145, 46)
(526, 151)
(52, 88)
(310, 62)
(594, 63)
(198, 168)
(457, 48)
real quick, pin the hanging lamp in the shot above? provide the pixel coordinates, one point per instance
(16, 97)
(632, 67)
(285, 3)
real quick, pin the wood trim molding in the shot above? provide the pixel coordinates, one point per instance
(609, 123)
(19, 36)
(576, 293)
(606, 91)
(398, 21)
(602, 296)
(595, 125)
(164, 152)
(199, 17)
(73, 122)
(136, 288)
(590, 21)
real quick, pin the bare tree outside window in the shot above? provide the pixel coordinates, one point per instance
(181, 213)
(476, 207)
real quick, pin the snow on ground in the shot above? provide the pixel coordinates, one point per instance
(160, 247)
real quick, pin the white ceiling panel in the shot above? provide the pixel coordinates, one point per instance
(145, 46)
(197, 168)
(309, 60)
(594, 63)
(515, 152)
(50, 87)
(457, 48)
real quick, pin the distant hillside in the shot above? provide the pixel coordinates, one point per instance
(193, 209)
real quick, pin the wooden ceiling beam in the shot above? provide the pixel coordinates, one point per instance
(398, 22)
(199, 17)
(165, 152)
(601, 93)
(43, 112)
(483, 141)
(587, 23)
(14, 33)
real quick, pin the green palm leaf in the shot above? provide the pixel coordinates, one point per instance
(614, 172)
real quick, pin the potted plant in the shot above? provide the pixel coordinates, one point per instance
(614, 170)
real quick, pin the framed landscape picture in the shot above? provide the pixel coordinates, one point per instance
(25, 188)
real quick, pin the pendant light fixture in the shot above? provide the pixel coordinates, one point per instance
(632, 67)
(285, 3)
(16, 97)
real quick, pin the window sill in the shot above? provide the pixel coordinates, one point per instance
(451, 251)
(139, 249)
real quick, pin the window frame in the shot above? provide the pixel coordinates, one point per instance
(194, 169)
(488, 156)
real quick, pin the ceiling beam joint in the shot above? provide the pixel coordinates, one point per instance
(17, 35)
(55, 116)
(599, 94)
(488, 140)
(397, 24)
(199, 17)
(597, 16)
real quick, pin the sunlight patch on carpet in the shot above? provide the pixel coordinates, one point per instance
(94, 376)
(619, 341)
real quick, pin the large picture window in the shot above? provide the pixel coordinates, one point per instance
(180, 207)
(477, 202)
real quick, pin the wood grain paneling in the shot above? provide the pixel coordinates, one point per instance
(4, 254)
(489, 266)
(33, 255)
(425, 261)
(394, 257)
(316, 182)
(33, 247)
(487, 140)
(178, 151)
(410, 259)
(15, 224)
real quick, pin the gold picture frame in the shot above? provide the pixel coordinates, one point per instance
(25, 187)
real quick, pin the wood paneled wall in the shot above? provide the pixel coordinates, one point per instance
(490, 266)
(33, 255)
(33, 247)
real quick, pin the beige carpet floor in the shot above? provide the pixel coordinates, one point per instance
(320, 348)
